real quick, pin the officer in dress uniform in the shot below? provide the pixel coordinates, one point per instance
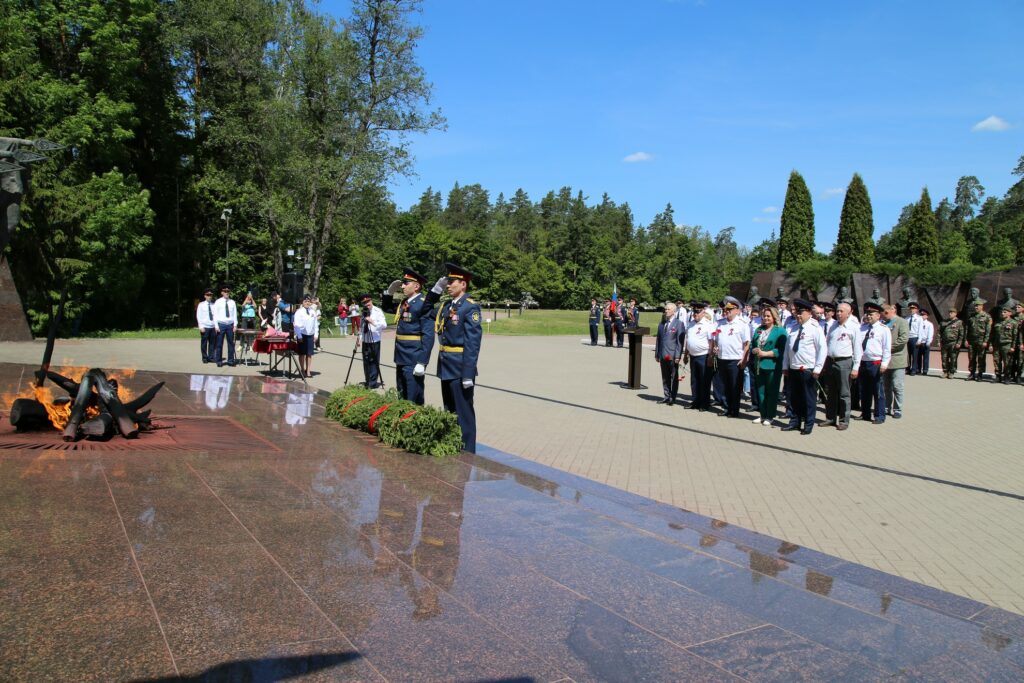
(871, 359)
(802, 363)
(207, 326)
(595, 318)
(731, 343)
(459, 333)
(606, 317)
(697, 355)
(414, 336)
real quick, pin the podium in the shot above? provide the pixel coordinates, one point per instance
(636, 347)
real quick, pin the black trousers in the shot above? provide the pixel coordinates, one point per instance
(803, 393)
(225, 331)
(593, 333)
(872, 390)
(618, 333)
(912, 357)
(371, 361)
(700, 381)
(924, 357)
(459, 400)
(207, 338)
(732, 384)
(607, 333)
(410, 387)
(669, 378)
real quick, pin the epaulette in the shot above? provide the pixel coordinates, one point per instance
(470, 300)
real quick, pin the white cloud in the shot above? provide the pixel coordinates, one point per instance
(833, 192)
(992, 124)
(766, 219)
(770, 209)
(637, 156)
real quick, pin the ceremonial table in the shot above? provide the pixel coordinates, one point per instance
(280, 349)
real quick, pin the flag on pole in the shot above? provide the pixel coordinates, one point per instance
(615, 296)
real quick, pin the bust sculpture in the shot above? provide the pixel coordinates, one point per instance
(876, 297)
(843, 297)
(1008, 300)
(974, 297)
(908, 298)
(754, 297)
(780, 293)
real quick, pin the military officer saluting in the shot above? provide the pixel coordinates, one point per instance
(952, 334)
(458, 336)
(414, 338)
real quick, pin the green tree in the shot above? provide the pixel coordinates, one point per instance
(969, 193)
(855, 244)
(796, 229)
(922, 236)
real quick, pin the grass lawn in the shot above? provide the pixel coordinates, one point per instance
(549, 323)
(530, 323)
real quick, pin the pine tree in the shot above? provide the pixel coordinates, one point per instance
(855, 244)
(922, 235)
(796, 231)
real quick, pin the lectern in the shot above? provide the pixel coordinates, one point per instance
(636, 347)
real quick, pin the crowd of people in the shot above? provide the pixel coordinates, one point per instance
(801, 353)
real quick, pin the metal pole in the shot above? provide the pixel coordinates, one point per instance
(227, 243)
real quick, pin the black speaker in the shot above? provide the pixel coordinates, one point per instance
(293, 284)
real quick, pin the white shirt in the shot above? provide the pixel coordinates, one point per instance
(375, 324)
(785, 314)
(806, 348)
(914, 322)
(698, 336)
(927, 333)
(730, 338)
(225, 311)
(304, 322)
(878, 344)
(755, 322)
(204, 314)
(684, 315)
(842, 339)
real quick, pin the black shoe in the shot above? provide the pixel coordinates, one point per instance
(842, 425)
(878, 422)
(805, 432)
(220, 365)
(790, 428)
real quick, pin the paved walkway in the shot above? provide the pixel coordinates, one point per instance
(937, 497)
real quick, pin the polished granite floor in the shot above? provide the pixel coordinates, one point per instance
(286, 545)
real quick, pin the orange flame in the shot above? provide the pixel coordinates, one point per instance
(60, 413)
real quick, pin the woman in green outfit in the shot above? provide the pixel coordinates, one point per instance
(766, 349)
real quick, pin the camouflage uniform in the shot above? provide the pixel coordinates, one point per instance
(1017, 358)
(952, 334)
(1004, 340)
(979, 329)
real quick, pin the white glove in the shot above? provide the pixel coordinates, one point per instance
(394, 287)
(419, 370)
(439, 285)
(467, 383)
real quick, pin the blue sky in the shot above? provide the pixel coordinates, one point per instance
(716, 102)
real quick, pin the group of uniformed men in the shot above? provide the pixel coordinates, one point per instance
(615, 317)
(980, 334)
(456, 328)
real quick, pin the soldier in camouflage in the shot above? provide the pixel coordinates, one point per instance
(1004, 341)
(952, 335)
(979, 331)
(1018, 353)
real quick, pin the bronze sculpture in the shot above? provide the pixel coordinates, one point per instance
(843, 297)
(15, 178)
(876, 297)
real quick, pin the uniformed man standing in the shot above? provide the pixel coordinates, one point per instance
(979, 331)
(225, 316)
(952, 334)
(207, 327)
(697, 354)
(1004, 341)
(842, 343)
(618, 317)
(875, 342)
(459, 334)
(606, 317)
(802, 362)
(731, 343)
(595, 318)
(632, 314)
(1018, 356)
(414, 336)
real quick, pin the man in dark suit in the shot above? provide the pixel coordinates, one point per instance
(668, 349)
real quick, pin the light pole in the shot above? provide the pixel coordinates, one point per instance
(225, 216)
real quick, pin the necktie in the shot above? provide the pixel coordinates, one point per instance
(209, 309)
(227, 314)
(796, 344)
(867, 335)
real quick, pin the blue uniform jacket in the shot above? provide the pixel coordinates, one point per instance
(459, 333)
(414, 337)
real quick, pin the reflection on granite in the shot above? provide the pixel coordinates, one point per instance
(301, 549)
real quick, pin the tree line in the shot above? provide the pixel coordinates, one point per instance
(173, 111)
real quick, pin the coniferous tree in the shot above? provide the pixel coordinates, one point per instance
(855, 244)
(922, 236)
(796, 231)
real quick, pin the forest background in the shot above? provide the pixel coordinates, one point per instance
(296, 121)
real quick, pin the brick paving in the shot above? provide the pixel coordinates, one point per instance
(929, 497)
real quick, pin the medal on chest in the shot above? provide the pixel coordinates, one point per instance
(453, 316)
